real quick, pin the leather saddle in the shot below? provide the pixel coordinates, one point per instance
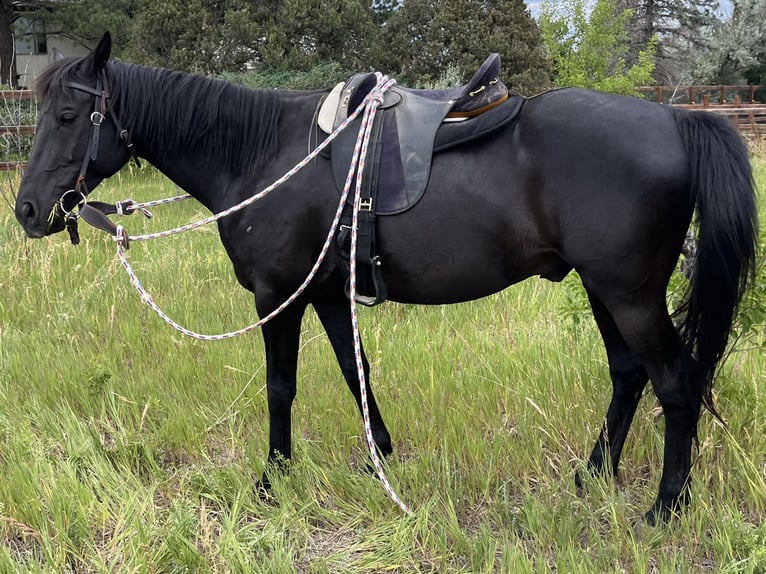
(412, 125)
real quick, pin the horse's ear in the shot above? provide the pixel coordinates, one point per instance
(57, 55)
(103, 51)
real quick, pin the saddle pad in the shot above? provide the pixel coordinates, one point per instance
(326, 116)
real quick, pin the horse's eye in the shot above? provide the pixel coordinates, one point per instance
(67, 118)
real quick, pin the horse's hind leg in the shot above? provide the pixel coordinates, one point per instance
(336, 320)
(649, 332)
(628, 381)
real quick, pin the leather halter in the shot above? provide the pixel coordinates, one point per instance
(101, 95)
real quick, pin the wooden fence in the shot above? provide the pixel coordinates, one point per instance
(744, 105)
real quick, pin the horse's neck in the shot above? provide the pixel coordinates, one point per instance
(186, 166)
(201, 133)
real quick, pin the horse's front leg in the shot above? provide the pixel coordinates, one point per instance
(281, 336)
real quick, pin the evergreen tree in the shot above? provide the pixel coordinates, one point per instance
(81, 21)
(737, 51)
(298, 34)
(85, 21)
(423, 37)
(207, 36)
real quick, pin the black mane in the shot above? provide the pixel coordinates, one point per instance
(184, 111)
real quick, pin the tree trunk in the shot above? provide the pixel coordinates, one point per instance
(8, 75)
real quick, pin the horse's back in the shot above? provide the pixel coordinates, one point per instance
(597, 126)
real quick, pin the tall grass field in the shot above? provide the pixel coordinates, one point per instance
(126, 447)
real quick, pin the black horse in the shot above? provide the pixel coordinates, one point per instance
(602, 184)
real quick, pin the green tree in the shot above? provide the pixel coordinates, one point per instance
(85, 21)
(206, 36)
(737, 50)
(423, 37)
(82, 21)
(213, 36)
(590, 49)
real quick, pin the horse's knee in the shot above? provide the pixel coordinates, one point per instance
(280, 395)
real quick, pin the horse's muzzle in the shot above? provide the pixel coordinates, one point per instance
(35, 222)
(27, 215)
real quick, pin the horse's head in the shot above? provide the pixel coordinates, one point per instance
(78, 143)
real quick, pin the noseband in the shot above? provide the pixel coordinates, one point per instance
(101, 95)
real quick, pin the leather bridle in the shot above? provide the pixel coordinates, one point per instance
(100, 111)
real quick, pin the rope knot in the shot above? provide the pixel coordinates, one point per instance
(378, 93)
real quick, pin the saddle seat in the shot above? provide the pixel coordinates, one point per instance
(483, 92)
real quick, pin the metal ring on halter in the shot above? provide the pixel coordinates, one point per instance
(61, 201)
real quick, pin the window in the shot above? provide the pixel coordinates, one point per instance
(30, 36)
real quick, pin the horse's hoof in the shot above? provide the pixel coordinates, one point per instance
(579, 486)
(665, 508)
(263, 491)
(651, 518)
(659, 514)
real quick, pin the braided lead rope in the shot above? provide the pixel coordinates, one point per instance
(146, 297)
(382, 85)
(128, 206)
(157, 202)
(377, 100)
(372, 101)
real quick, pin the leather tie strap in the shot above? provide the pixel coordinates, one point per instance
(98, 219)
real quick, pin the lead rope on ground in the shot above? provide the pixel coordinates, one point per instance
(369, 107)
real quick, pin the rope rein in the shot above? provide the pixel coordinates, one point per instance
(368, 108)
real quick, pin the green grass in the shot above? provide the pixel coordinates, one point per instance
(125, 447)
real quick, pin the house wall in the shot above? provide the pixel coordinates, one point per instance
(30, 65)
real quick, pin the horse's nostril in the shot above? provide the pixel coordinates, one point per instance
(27, 211)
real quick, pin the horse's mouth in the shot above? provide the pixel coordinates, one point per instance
(61, 209)
(56, 225)
(55, 218)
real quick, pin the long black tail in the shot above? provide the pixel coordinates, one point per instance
(723, 192)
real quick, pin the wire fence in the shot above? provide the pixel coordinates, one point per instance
(18, 115)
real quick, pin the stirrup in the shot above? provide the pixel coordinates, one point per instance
(378, 286)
